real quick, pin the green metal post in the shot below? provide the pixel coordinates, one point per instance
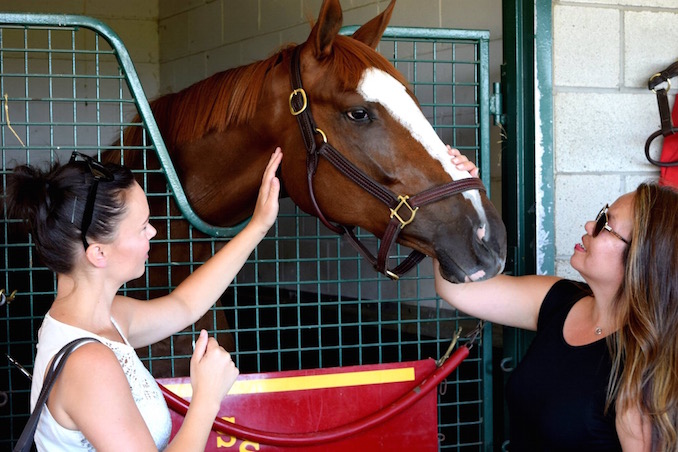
(518, 163)
(545, 248)
(134, 84)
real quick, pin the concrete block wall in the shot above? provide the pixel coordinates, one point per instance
(604, 52)
(201, 37)
(135, 21)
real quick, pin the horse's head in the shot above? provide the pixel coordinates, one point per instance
(367, 112)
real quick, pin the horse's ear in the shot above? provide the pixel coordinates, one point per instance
(326, 29)
(371, 32)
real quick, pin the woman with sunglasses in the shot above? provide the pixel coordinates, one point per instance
(601, 372)
(90, 223)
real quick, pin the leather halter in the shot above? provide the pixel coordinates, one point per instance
(399, 206)
(667, 126)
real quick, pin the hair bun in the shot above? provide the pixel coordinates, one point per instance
(29, 193)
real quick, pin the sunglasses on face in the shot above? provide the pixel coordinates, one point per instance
(601, 223)
(99, 173)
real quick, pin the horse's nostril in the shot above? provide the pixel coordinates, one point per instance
(480, 233)
(480, 274)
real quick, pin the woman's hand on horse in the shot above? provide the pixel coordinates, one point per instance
(213, 372)
(462, 162)
(266, 209)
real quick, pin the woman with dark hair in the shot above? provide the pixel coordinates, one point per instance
(90, 223)
(602, 370)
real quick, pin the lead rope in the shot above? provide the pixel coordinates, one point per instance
(429, 382)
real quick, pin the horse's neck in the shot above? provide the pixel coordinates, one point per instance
(225, 100)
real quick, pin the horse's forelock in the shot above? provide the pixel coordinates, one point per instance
(229, 98)
(350, 58)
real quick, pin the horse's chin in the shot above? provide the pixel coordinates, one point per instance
(456, 272)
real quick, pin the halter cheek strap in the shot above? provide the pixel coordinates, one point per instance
(403, 208)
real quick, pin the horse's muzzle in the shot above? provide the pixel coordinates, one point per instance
(484, 258)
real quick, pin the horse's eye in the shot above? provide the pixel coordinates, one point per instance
(358, 115)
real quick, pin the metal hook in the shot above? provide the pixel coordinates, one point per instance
(503, 364)
(442, 388)
(475, 333)
(447, 354)
(6, 298)
(18, 365)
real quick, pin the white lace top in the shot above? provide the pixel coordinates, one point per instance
(50, 435)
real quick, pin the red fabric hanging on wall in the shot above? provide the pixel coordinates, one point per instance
(669, 174)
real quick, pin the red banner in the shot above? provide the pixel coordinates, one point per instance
(319, 401)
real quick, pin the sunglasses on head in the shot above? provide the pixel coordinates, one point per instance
(601, 223)
(99, 173)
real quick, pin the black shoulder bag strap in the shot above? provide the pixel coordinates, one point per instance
(26, 439)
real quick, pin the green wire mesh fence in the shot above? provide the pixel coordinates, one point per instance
(304, 299)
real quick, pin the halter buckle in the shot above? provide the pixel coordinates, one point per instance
(403, 202)
(304, 101)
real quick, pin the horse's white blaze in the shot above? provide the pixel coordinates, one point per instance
(378, 86)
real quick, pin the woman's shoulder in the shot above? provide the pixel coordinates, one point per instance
(568, 289)
(55, 334)
(91, 356)
(562, 295)
(92, 377)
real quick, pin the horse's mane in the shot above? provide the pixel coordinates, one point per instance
(213, 104)
(351, 57)
(229, 98)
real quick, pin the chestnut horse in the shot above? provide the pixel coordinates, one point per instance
(385, 160)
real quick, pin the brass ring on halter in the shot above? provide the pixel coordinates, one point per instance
(322, 134)
(303, 99)
(668, 82)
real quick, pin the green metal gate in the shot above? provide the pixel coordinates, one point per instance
(304, 299)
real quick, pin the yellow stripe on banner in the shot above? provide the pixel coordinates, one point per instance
(303, 383)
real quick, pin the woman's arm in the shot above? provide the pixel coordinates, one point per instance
(212, 375)
(634, 431)
(506, 300)
(154, 320)
(92, 395)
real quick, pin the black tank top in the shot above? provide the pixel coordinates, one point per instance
(556, 395)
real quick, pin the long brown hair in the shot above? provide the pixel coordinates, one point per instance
(645, 349)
